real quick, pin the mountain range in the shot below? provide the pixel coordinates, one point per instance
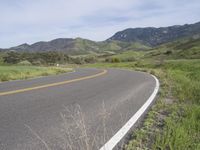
(155, 36)
(128, 39)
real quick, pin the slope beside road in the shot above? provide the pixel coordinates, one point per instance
(79, 110)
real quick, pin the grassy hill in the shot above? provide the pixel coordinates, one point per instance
(180, 49)
(78, 46)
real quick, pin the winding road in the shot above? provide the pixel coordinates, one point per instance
(84, 109)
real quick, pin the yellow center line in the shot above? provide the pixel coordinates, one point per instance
(52, 84)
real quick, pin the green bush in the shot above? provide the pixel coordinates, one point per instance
(78, 60)
(4, 77)
(12, 57)
(38, 62)
(113, 60)
(90, 59)
(25, 63)
(45, 58)
(128, 59)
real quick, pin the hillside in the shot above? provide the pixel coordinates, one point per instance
(71, 46)
(181, 49)
(155, 36)
(129, 39)
(78, 46)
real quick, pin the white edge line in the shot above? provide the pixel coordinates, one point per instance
(123, 131)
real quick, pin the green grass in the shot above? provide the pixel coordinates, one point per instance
(186, 76)
(111, 65)
(181, 131)
(137, 46)
(182, 126)
(129, 55)
(24, 72)
(174, 125)
(181, 49)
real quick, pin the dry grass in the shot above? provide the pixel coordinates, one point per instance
(76, 131)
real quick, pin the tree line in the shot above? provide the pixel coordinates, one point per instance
(44, 58)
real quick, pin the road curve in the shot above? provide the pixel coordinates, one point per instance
(79, 110)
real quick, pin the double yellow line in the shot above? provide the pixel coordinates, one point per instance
(52, 84)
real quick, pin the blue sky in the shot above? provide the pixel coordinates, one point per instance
(29, 21)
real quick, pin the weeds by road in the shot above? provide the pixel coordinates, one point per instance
(24, 72)
(174, 121)
(76, 133)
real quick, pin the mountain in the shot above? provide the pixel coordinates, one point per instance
(155, 36)
(187, 48)
(77, 46)
(68, 45)
(57, 44)
(129, 39)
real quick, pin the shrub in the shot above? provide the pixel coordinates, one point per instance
(78, 60)
(115, 60)
(37, 63)
(12, 57)
(90, 59)
(4, 77)
(108, 60)
(129, 59)
(25, 63)
(168, 52)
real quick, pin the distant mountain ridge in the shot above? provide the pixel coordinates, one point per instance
(156, 36)
(57, 44)
(77, 46)
(129, 39)
(67, 45)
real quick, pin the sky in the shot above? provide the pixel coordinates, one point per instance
(29, 21)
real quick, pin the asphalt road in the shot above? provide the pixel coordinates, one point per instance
(82, 114)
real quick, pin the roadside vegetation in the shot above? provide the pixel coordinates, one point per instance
(20, 66)
(49, 58)
(173, 123)
(8, 72)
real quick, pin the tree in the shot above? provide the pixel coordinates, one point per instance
(90, 59)
(12, 57)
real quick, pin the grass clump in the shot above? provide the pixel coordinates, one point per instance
(25, 63)
(182, 126)
(181, 131)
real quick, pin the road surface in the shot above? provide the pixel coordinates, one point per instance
(78, 110)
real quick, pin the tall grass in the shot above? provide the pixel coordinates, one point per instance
(76, 133)
(174, 126)
(182, 127)
(181, 131)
